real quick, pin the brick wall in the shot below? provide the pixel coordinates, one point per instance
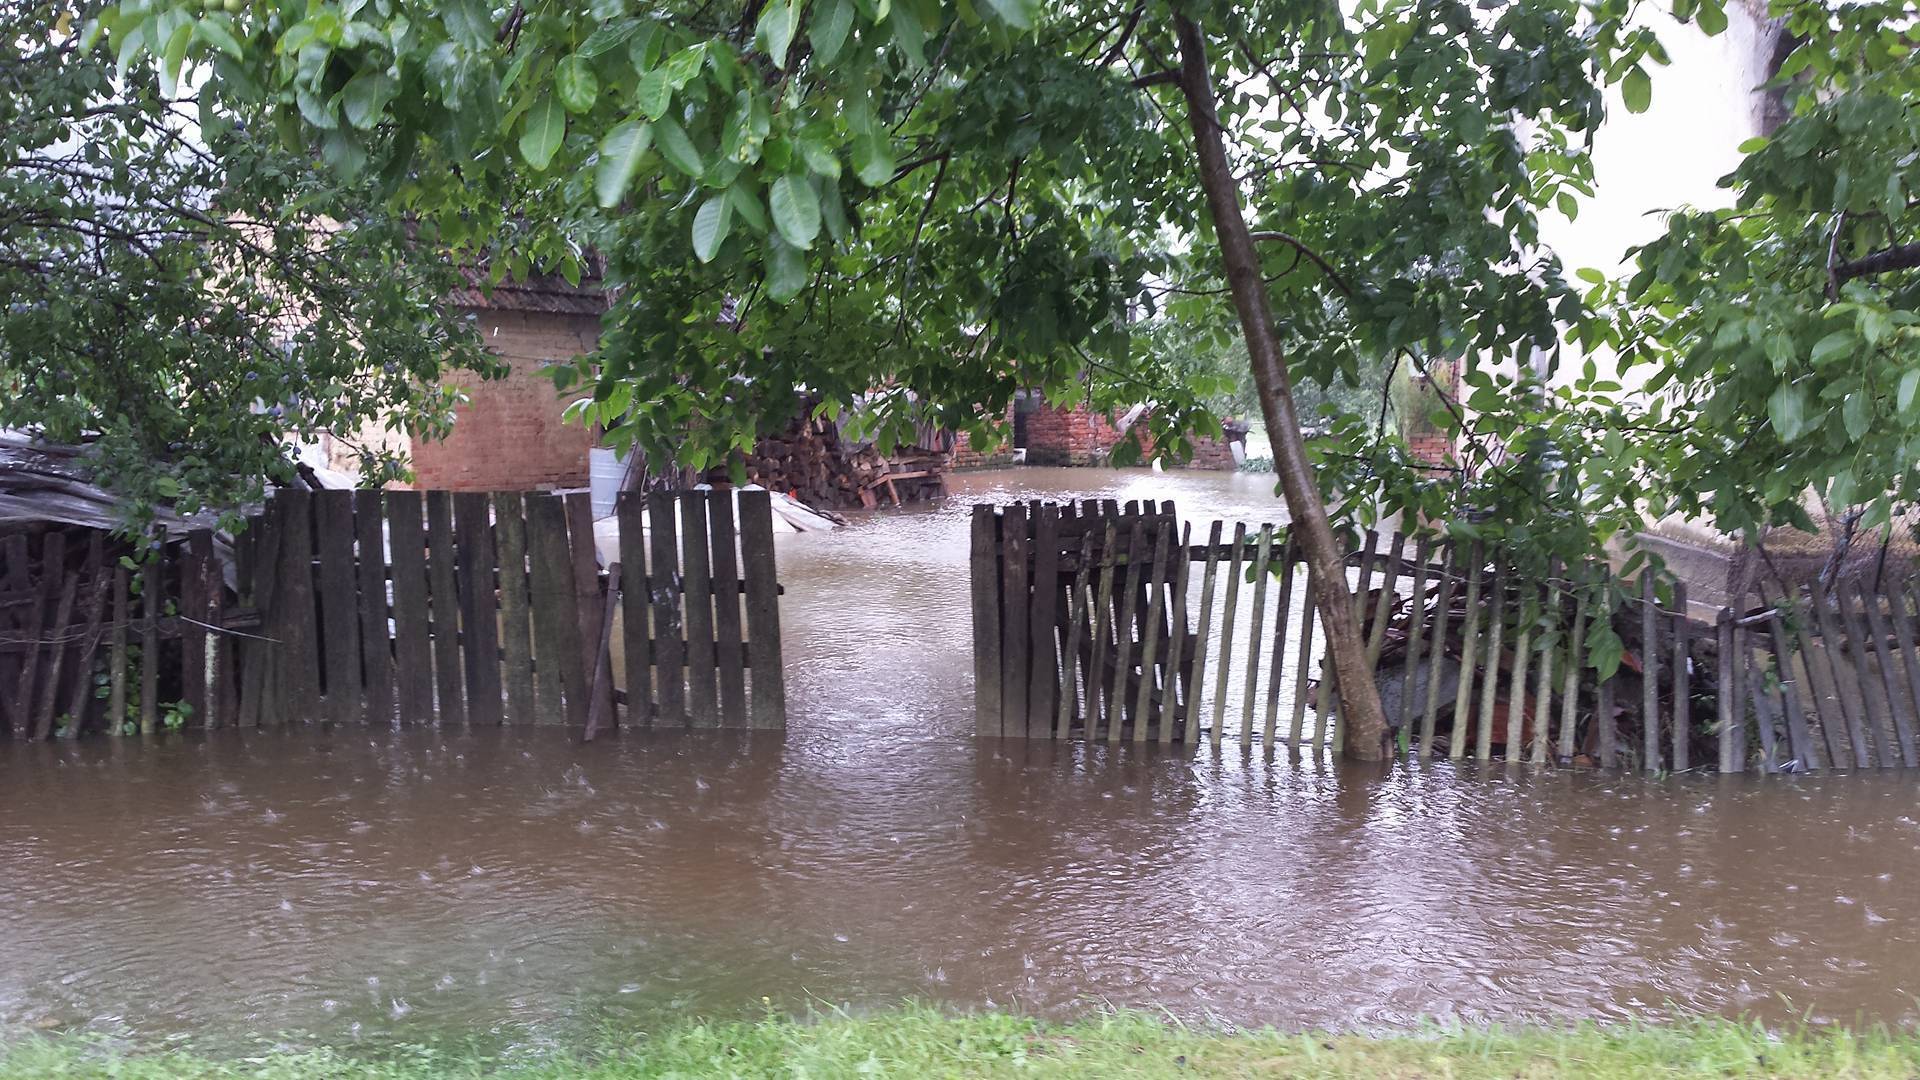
(509, 436)
(1076, 436)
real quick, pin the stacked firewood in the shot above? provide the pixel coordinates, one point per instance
(812, 462)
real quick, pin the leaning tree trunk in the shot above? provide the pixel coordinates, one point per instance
(1366, 723)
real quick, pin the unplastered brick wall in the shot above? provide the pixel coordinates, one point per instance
(509, 435)
(1076, 436)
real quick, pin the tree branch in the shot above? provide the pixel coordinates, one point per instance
(1897, 257)
(1325, 267)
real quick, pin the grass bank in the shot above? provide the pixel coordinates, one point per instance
(922, 1043)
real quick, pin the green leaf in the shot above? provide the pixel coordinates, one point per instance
(682, 66)
(786, 270)
(828, 29)
(1711, 17)
(652, 93)
(1014, 12)
(1637, 90)
(173, 56)
(779, 21)
(1909, 383)
(1787, 408)
(710, 226)
(365, 96)
(216, 29)
(1832, 347)
(678, 149)
(747, 205)
(872, 159)
(796, 210)
(910, 35)
(620, 155)
(544, 129)
(574, 81)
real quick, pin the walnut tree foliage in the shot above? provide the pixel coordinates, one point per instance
(179, 289)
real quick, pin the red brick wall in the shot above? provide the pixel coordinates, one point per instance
(1075, 436)
(509, 436)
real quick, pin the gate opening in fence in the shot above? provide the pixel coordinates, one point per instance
(404, 607)
(1112, 623)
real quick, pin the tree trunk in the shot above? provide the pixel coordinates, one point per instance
(1366, 724)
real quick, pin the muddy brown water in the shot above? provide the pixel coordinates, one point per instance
(516, 887)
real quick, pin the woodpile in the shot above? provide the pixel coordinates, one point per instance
(810, 461)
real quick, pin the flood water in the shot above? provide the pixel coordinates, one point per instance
(519, 888)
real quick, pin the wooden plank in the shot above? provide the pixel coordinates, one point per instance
(600, 694)
(1845, 682)
(1437, 651)
(1469, 654)
(665, 584)
(1276, 665)
(1015, 619)
(1202, 630)
(1526, 602)
(1649, 675)
(53, 558)
(586, 582)
(412, 618)
(1124, 630)
(1234, 573)
(1570, 682)
(1681, 636)
(1103, 650)
(1143, 705)
(769, 690)
(443, 560)
(516, 607)
(1894, 731)
(376, 643)
(298, 686)
(703, 699)
(1069, 689)
(1416, 629)
(1726, 707)
(338, 601)
(1178, 691)
(1389, 593)
(261, 657)
(479, 622)
(1043, 678)
(1490, 686)
(728, 635)
(80, 697)
(989, 718)
(1543, 691)
(1746, 676)
(150, 602)
(1897, 614)
(560, 680)
(1303, 663)
(117, 654)
(1799, 736)
(194, 572)
(1362, 586)
(636, 610)
(1608, 754)
(55, 651)
(1256, 623)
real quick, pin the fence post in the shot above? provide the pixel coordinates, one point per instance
(988, 718)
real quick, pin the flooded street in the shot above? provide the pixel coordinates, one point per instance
(518, 887)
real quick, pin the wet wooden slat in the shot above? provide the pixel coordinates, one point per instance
(1256, 626)
(1144, 711)
(588, 601)
(664, 581)
(1680, 634)
(56, 655)
(1766, 707)
(560, 678)
(1573, 666)
(479, 606)
(1897, 751)
(1897, 615)
(1043, 676)
(1178, 690)
(99, 580)
(1203, 630)
(449, 683)
(376, 648)
(298, 687)
(117, 654)
(1303, 661)
(1726, 707)
(703, 697)
(1550, 637)
(988, 715)
(1799, 736)
(1490, 686)
(728, 635)
(769, 691)
(600, 693)
(1416, 631)
(1437, 651)
(150, 599)
(516, 628)
(1235, 570)
(339, 602)
(1103, 651)
(1469, 657)
(260, 656)
(1649, 675)
(1124, 631)
(1276, 665)
(412, 617)
(636, 608)
(1016, 618)
(1069, 690)
(1845, 683)
(1328, 704)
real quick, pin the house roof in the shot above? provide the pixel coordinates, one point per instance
(548, 294)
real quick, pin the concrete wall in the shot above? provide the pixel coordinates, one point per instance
(509, 435)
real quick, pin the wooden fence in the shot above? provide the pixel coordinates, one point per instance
(1104, 622)
(435, 607)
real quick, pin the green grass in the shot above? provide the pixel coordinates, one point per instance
(918, 1042)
